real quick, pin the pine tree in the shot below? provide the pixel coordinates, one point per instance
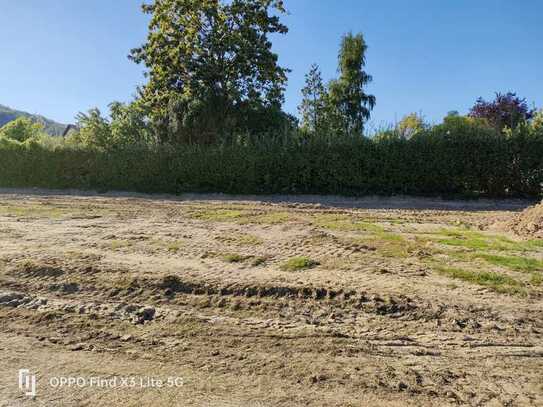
(312, 107)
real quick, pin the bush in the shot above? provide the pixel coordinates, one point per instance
(21, 129)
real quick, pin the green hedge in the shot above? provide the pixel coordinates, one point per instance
(432, 163)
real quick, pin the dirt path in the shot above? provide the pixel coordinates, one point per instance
(271, 303)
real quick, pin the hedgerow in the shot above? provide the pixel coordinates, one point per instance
(442, 160)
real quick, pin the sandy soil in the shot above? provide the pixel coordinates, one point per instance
(528, 223)
(270, 301)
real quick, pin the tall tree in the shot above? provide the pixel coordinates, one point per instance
(209, 64)
(347, 93)
(312, 107)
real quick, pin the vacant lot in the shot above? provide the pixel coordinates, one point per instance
(267, 303)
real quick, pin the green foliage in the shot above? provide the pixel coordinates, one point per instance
(459, 157)
(95, 130)
(347, 94)
(21, 129)
(312, 107)
(128, 126)
(341, 108)
(410, 125)
(210, 66)
(537, 121)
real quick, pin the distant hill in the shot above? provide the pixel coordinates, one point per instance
(51, 127)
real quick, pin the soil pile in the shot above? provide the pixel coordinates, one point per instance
(529, 222)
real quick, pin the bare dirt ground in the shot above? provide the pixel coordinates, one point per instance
(276, 301)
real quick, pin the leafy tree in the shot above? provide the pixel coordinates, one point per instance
(95, 130)
(347, 95)
(411, 124)
(506, 110)
(313, 105)
(21, 129)
(453, 113)
(129, 124)
(210, 64)
(537, 121)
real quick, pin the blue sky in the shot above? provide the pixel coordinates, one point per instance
(60, 57)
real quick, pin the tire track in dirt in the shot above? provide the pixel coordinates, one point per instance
(142, 281)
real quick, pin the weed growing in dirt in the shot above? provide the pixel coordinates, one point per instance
(233, 258)
(174, 247)
(299, 263)
(258, 261)
(536, 279)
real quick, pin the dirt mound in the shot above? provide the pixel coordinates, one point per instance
(529, 222)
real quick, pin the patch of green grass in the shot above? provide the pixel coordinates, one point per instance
(482, 241)
(33, 211)
(471, 243)
(345, 223)
(241, 216)
(218, 215)
(464, 238)
(387, 244)
(534, 243)
(525, 264)
(506, 243)
(390, 237)
(496, 281)
(298, 263)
